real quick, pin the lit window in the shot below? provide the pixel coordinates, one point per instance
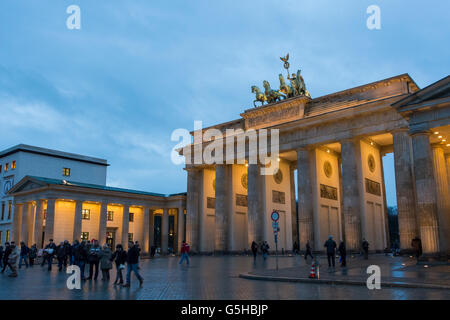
(110, 216)
(66, 172)
(85, 236)
(7, 236)
(9, 210)
(130, 237)
(13, 165)
(131, 218)
(86, 214)
(6, 167)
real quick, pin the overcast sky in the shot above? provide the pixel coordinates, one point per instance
(137, 70)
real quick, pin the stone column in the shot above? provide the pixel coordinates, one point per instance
(254, 221)
(146, 230)
(426, 206)
(221, 209)
(25, 222)
(50, 220)
(180, 232)
(16, 222)
(404, 183)
(103, 222)
(305, 198)
(192, 205)
(294, 217)
(165, 231)
(77, 221)
(151, 233)
(351, 154)
(38, 224)
(125, 225)
(443, 198)
(447, 160)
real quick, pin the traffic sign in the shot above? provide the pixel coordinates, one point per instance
(275, 216)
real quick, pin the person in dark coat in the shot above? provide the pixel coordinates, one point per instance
(32, 254)
(330, 244)
(68, 252)
(49, 253)
(133, 264)
(296, 248)
(120, 258)
(308, 251)
(24, 250)
(80, 256)
(94, 259)
(365, 247)
(61, 256)
(6, 254)
(343, 254)
(416, 243)
(254, 248)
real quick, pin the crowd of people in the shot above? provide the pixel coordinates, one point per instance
(84, 254)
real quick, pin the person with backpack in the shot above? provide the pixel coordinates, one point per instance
(184, 252)
(32, 254)
(120, 258)
(94, 259)
(330, 244)
(24, 250)
(133, 264)
(254, 248)
(105, 262)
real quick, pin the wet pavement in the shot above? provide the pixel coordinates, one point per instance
(208, 277)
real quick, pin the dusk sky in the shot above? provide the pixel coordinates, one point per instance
(137, 70)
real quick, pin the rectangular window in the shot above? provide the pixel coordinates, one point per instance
(66, 172)
(131, 218)
(110, 216)
(85, 236)
(13, 165)
(9, 210)
(6, 167)
(7, 236)
(86, 214)
(130, 237)
(3, 210)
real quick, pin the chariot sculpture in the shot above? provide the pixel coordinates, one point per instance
(296, 87)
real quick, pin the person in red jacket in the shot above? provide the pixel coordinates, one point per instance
(184, 252)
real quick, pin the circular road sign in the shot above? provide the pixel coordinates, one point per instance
(275, 216)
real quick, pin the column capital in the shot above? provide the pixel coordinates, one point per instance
(419, 130)
(400, 130)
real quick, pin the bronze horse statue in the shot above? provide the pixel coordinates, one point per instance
(287, 90)
(261, 97)
(272, 95)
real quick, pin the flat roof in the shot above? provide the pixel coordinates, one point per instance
(53, 153)
(97, 186)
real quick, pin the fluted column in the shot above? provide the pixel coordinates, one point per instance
(305, 197)
(77, 220)
(294, 217)
(192, 206)
(17, 221)
(221, 209)
(426, 206)
(151, 234)
(404, 182)
(103, 222)
(254, 221)
(351, 154)
(38, 224)
(165, 231)
(25, 222)
(125, 225)
(447, 160)
(180, 228)
(146, 230)
(443, 198)
(50, 220)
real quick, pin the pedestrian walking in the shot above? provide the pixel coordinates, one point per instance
(32, 254)
(133, 264)
(49, 253)
(265, 250)
(308, 251)
(295, 248)
(61, 255)
(330, 244)
(24, 250)
(94, 260)
(12, 260)
(106, 262)
(80, 256)
(416, 243)
(365, 247)
(68, 253)
(184, 253)
(6, 254)
(343, 254)
(120, 258)
(254, 249)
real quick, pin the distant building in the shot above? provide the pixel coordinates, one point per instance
(53, 194)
